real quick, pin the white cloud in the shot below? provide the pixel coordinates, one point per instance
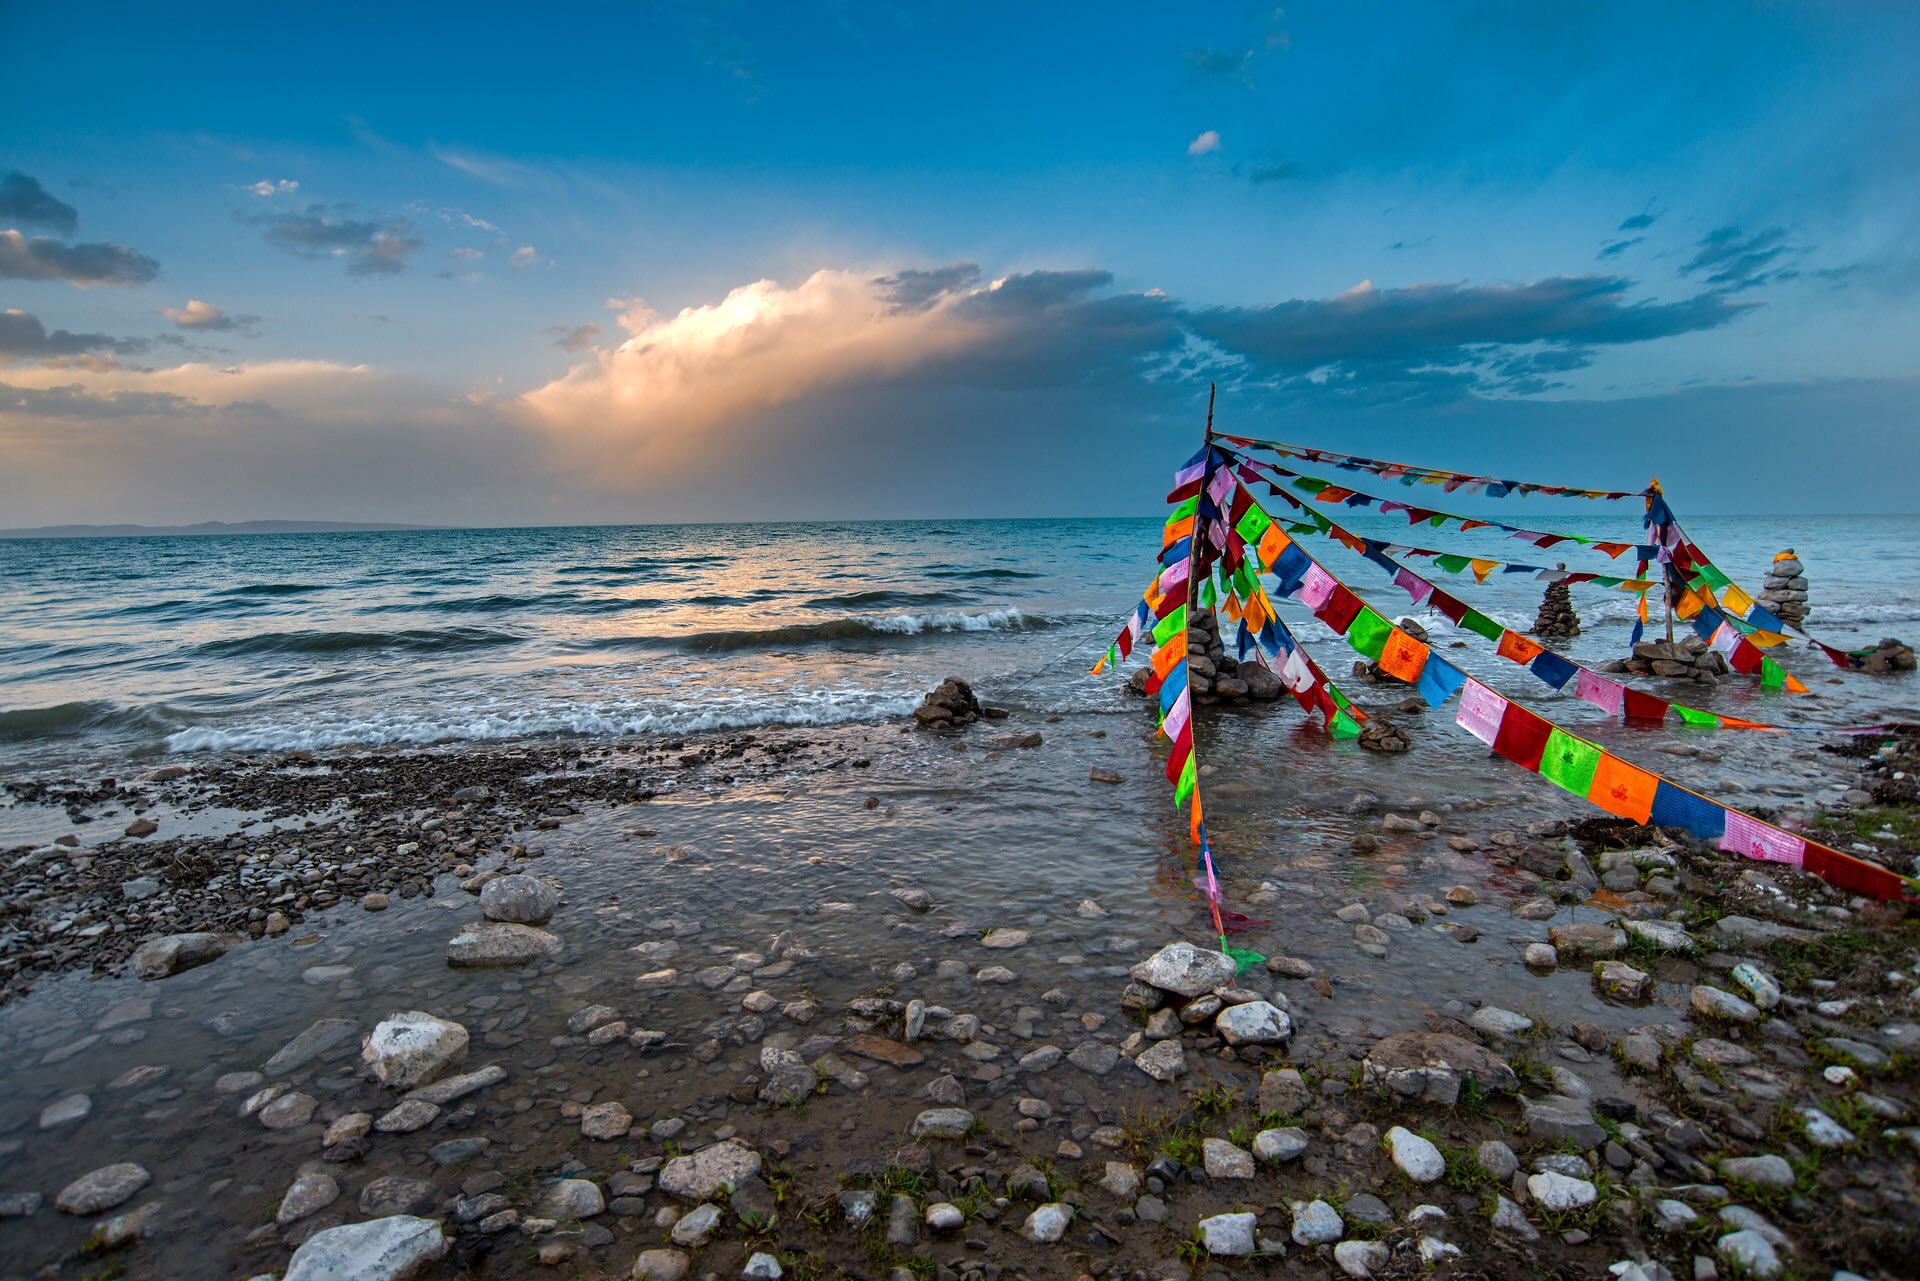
(525, 256)
(197, 315)
(268, 187)
(1208, 141)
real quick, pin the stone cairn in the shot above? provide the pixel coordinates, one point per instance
(1689, 658)
(1211, 674)
(1556, 618)
(1784, 594)
(950, 703)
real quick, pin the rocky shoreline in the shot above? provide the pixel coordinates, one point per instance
(1172, 1117)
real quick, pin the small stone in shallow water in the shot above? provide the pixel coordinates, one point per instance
(498, 944)
(289, 1111)
(1621, 981)
(1491, 1018)
(1185, 969)
(1540, 956)
(379, 1250)
(519, 899)
(1162, 1061)
(393, 1194)
(65, 1111)
(309, 1193)
(605, 1121)
(942, 1123)
(1253, 1023)
(411, 1049)
(408, 1116)
(102, 1189)
(1712, 1003)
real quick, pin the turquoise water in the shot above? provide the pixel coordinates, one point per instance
(134, 647)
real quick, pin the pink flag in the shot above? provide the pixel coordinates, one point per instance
(1177, 717)
(1413, 585)
(1296, 673)
(1317, 590)
(1754, 839)
(1601, 692)
(1174, 575)
(1480, 712)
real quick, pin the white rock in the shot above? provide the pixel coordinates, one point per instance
(1316, 1223)
(65, 1111)
(762, 1267)
(1760, 987)
(102, 1189)
(1558, 1193)
(1508, 1217)
(1541, 956)
(1434, 1251)
(699, 1175)
(1710, 1002)
(573, 1199)
(1670, 1215)
(1228, 1236)
(942, 1123)
(695, 1226)
(1491, 1018)
(1823, 1131)
(1163, 1060)
(1360, 1258)
(943, 1216)
(521, 899)
(1750, 1252)
(1253, 1023)
(411, 1049)
(309, 1193)
(1226, 1160)
(1417, 1158)
(1186, 969)
(386, 1249)
(1048, 1223)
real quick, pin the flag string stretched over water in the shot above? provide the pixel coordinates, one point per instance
(1558, 671)
(1408, 474)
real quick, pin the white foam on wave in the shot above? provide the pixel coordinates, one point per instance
(992, 620)
(492, 720)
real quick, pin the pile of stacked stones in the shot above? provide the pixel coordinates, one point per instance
(1689, 658)
(1188, 992)
(514, 905)
(1890, 655)
(1556, 616)
(1381, 735)
(1211, 674)
(1784, 594)
(950, 703)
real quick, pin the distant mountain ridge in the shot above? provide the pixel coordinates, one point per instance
(209, 527)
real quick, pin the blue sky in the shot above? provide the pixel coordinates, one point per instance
(670, 261)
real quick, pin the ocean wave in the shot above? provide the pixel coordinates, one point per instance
(885, 599)
(59, 721)
(412, 640)
(870, 628)
(273, 589)
(718, 710)
(981, 573)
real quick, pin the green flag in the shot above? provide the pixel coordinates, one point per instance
(1368, 632)
(1569, 761)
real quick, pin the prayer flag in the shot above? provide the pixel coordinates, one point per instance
(1569, 761)
(1622, 789)
(1694, 716)
(1402, 656)
(1517, 648)
(1170, 626)
(1677, 807)
(1340, 610)
(1753, 839)
(1317, 589)
(1643, 707)
(1598, 690)
(1439, 679)
(1368, 632)
(1480, 625)
(1553, 669)
(1480, 712)
(1523, 737)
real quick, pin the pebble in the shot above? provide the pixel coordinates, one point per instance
(1228, 1236)
(1497, 1159)
(1279, 1145)
(762, 1266)
(1499, 1022)
(102, 1189)
(309, 1193)
(1541, 956)
(289, 1111)
(1048, 1223)
(1162, 1061)
(942, 1123)
(1225, 1160)
(1762, 1171)
(1749, 1252)
(943, 1216)
(1417, 1158)
(605, 1121)
(1559, 1192)
(1710, 1002)
(695, 1226)
(660, 1265)
(410, 1115)
(65, 1111)
(1360, 1258)
(1316, 1223)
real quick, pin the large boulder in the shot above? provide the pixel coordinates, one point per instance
(412, 1049)
(520, 900)
(493, 944)
(157, 958)
(388, 1249)
(1432, 1065)
(1186, 969)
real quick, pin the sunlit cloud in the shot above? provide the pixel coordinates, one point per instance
(268, 187)
(205, 316)
(1206, 142)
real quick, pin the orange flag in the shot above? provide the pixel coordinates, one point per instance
(1623, 790)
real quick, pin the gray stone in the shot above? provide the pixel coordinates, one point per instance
(1226, 1160)
(1508, 1217)
(1621, 981)
(1316, 1223)
(102, 1189)
(1497, 1159)
(495, 944)
(1283, 1092)
(1858, 1053)
(1096, 1057)
(408, 1116)
(1185, 969)
(1499, 1022)
(447, 1089)
(1761, 1171)
(1162, 1061)
(762, 1266)
(1361, 1258)
(322, 1036)
(858, 1207)
(1279, 1145)
(698, 1176)
(1662, 935)
(942, 1123)
(660, 1265)
(66, 1110)
(1556, 1119)
(1587, 939)
(1431, 1066)
(411, 1049)
(1748, 931)
(521, 900)
(395, 1194)
(289, 1111)
(786, 1077)
(20, 1205)
(944, 1216)
(1121, 1179)
(172, 953)
(1227, 1236)
(1823, 1131)
(382, 1249)
(606, 1121)
(1712, 1003)
(694, 1227)
(1048, 1223)
(309, 1193)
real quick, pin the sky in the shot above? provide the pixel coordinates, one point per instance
(666, 260)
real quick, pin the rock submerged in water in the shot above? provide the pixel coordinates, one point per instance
(102, 1189)
(497, 944)
(158, 958)
(950, 703)
(1185, 970)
